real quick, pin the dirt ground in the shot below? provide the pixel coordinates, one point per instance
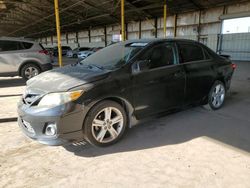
(193, 148)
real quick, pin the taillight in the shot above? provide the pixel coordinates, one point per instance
(234, 66)
(44, 52)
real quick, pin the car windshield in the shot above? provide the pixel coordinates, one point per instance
(113, 56)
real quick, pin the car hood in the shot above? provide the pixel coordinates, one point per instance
(63, 79)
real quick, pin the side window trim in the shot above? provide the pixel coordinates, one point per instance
(205, 49)
(181, 58)
(135, 68)
(175, 62)
(174, 54)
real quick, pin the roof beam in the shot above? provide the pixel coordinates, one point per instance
(42, 19)
(101, 10)
(137, 9)
(197, 5)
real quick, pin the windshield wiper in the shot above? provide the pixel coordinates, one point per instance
(97, 66)
(91, 66)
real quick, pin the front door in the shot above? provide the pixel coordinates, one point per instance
(160, 85)
(9, 56)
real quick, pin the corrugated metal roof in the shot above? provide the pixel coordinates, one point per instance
(35, 18)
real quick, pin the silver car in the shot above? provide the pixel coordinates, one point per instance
(74, 53)
(23, 58)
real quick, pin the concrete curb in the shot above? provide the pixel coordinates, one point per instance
(5, 120)
(11, 95)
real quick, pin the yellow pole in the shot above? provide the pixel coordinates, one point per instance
(123, 20)
(58, 33)
(165, 20)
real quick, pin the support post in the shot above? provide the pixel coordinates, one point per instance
(156, 27)
(175, 25)
(67, 38)
(126, 31)
(89, 33)
(105, 36)
(51, 40)
(123, 20)
(139, 29)
(77, 39)
(58, 31)
(165, 20)
(199, 27)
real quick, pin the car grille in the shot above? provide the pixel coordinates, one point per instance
(31, 99)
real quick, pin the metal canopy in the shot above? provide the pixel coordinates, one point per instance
(35, 18)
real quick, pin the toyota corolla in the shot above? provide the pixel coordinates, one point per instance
(115, 88)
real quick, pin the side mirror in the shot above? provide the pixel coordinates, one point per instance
(140, 65)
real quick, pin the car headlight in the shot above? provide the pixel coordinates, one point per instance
(56, 99)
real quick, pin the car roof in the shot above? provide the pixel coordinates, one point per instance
(17, 39)
(158, 40)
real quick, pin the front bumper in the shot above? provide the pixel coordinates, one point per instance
(68, 119)
(69, 54)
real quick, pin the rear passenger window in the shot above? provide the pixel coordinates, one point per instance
(27, 45)
(1, 45)
(190, 52)
(207, 56)
(83, 49)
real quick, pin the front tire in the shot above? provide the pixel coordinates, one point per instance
(105, 123)
(216, 97)
(29, 71)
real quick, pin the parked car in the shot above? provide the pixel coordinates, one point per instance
(95, 49)
(19, 57)
(65, 49)
(74, 53)
(50, 50)
(113, 89)
(84, 54)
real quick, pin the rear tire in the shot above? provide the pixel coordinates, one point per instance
(105, 124)
(28, 71)
(216, 97)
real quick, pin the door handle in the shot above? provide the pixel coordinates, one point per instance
(178, 74)
(152, 82)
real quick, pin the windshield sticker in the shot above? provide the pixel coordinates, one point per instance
(138, 44)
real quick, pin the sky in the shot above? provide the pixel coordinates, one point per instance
(236, 25)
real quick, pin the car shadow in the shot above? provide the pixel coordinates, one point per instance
(12, 82)
(175, 129)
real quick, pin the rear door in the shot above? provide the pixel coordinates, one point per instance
(199, 68)
(161, 85)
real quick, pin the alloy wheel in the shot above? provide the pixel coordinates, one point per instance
(218, 95)
(31, 72)
(107, 125)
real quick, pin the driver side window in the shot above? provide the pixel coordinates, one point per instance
(160, 55)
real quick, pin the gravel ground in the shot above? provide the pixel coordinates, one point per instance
(193, 148)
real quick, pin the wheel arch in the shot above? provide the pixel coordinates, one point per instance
(221, 78)
(131, 120)
(26, 63)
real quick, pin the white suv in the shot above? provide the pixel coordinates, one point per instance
(24, 58)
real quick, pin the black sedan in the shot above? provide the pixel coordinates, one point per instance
(115, 88)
